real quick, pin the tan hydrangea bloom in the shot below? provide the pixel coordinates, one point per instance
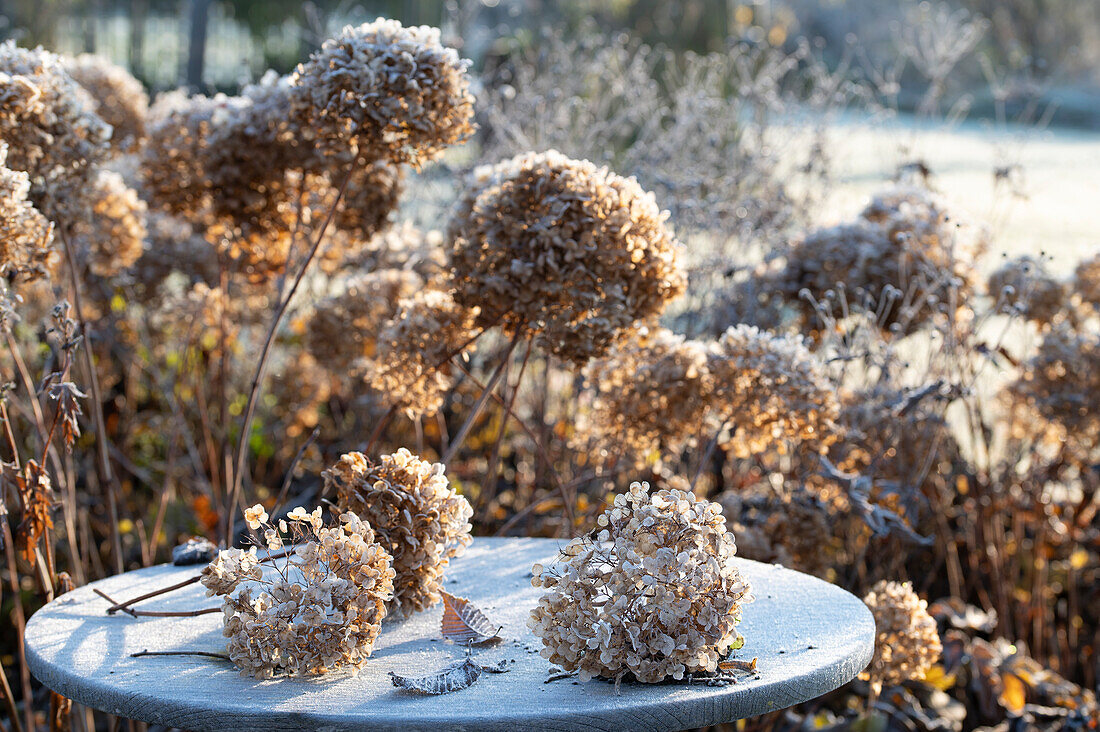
(1059, 390)
(49, 124)
(1086, 281)
(652, 394)
(320, 609)
(25, 234)
(907, 643)
(901, 258)
(344, 329)
(569, 252)
(112, 234)
(173, 157)
(1024, 284)
(371, 196)
(770, 390)
(418, 517)
(411, 369)
(120, 99)
(393, 92)
(657, 595)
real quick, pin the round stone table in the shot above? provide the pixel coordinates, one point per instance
(809, 637)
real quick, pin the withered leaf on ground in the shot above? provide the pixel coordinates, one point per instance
(455, 677)
(464, 623)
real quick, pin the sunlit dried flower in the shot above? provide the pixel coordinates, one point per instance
(900, 259)
(120, 99)
(1086, 281)
(370, 197)
(770, 390)
(391, 91)
(173, 157)
(320, 609)
(345, 328)
(1060, 385)
(25, 234)
(411, 368)
(48, 121)
(112, 235)
(570, 253)
(657, 595)
(652, 394)
(908, 642)
(1023, 283)
(418, 517)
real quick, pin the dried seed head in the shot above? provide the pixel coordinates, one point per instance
(1058, 391)
(1023, 284)
(411, 369)
(900, 259)
(112, 233)
(760, 391)
(571, 253)
(120, 99)
(770, 390)
(49, 124)
(1086, 281)
(25, 234)
(416, 514)
(908, 642)
(657, 595)
(391, 92)
(653, 394)
(344, 329)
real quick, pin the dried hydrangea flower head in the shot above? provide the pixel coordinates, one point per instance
(1024, 285)
(120, 99)
(390, 91)
(411, 369)
(907, 643)
(1059, 390)
(656, 596)
(48, 121)
(112, 235)
(1086, 281)
(652, 394)
(25, 234)
(318, 610)
(770, 390)
(173, 157)
(417, 515)
(900, 259)
(566, 251)
(344, 328)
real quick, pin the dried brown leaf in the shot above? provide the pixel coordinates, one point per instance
(455, 677)
(463, 622)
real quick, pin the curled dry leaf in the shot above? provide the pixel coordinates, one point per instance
(732, 664)
(455, 677)
(463, 622)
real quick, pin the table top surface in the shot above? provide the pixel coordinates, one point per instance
(809, 637)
